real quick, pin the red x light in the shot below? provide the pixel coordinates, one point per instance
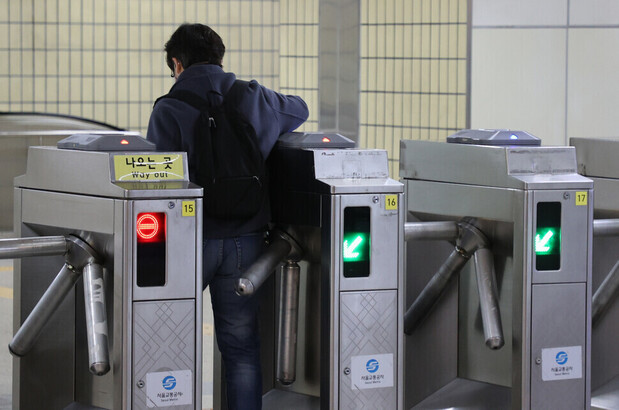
(151, 227)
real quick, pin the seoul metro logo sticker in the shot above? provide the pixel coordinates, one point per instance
(371, 371)
(169, 388)
(372, 366)
(169, 382)
(561, 357)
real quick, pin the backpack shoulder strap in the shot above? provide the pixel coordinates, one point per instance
(186, 96)
(234, 94)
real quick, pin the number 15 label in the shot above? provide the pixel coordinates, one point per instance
(189, 208)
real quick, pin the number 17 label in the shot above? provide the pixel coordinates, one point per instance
(581, 198)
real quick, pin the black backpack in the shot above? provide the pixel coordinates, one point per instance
(230, 166)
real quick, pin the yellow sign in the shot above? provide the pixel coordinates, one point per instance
(391, 202)
(148, 167)
(581, 198)
(189, 208)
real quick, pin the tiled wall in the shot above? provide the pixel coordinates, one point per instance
(548, 67)
(298, 69)
(104, 59)
(413, 71)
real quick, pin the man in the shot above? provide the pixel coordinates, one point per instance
(194, 53)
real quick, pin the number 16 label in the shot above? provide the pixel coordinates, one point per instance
(391, 202)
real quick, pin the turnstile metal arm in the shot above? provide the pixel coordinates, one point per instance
(489, 298)
(79, 255)
(447, 230)
(433, 290)
(606, 227)
(281, 248)
(469, 240)
(35, 246)
(96, 319)
(288, 306)
(27, 334)
(603, 296)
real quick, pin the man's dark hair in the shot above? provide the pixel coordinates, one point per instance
(194, 43)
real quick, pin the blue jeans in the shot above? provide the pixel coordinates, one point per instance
(236, 317)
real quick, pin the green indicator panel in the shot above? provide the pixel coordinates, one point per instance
(356, 242)
(548, 236)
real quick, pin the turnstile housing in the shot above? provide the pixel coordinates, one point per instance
(544, 308)
(155, 323)
(349, 344)
(597, 160)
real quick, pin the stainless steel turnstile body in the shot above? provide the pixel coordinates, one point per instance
(597, 159)
(503, 191)
(346, 214)
(153, 292)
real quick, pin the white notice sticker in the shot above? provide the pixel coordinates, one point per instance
(370, 372)
(561, 363)
(173, 388)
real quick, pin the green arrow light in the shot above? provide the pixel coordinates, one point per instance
(547, 241)
(541, 245)
(354, 247)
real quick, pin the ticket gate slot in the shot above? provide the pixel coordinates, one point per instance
(597, 161)
(534, 212)
(339, 223)
(122, 223)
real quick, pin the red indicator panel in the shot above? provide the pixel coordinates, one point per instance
(150, 230)
(151, 227)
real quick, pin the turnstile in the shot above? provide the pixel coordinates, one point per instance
(597, 159)
(134, 219)
(332, 315)
(523, 216)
